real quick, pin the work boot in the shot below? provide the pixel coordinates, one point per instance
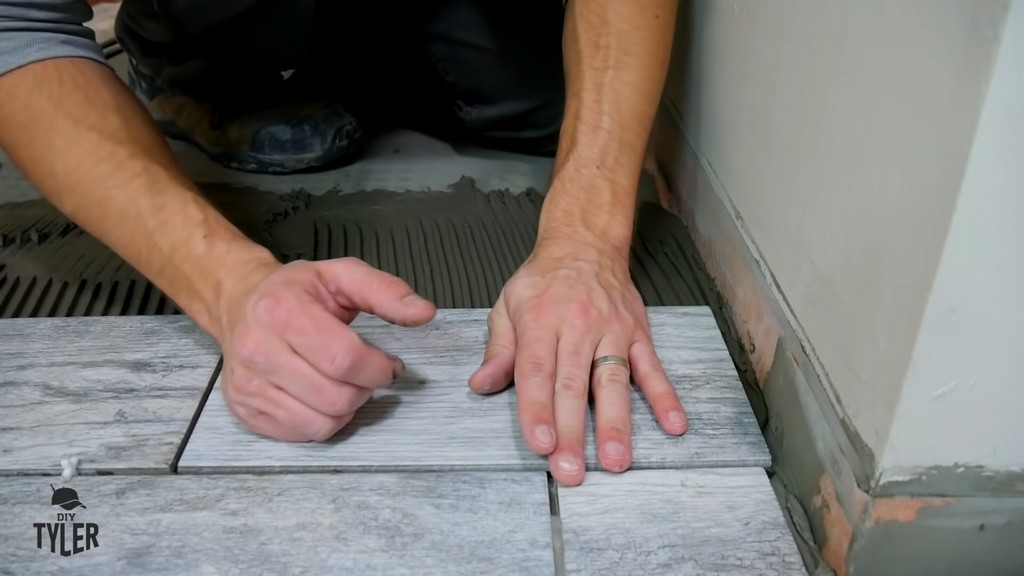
(278, 139)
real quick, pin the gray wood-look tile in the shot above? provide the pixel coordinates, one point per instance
(430, 420)
(117, 392)
(420, 523)
(676, 522)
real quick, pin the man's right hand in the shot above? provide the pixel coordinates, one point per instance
(293, 368)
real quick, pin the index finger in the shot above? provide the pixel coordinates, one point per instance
(335, 350)
(534, 383)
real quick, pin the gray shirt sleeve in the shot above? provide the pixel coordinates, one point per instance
(35, 30)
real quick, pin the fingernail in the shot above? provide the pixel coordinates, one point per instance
(568, 464)
(399, 365)
(545, 436)
(412, 300)
(677, 418)
(614, 450)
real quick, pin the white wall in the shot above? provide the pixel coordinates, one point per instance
(840, 131)
(963, 400)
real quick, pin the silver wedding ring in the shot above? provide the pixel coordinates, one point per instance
(605, 360)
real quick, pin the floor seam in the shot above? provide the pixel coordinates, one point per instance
(195, 415)
(557, 542)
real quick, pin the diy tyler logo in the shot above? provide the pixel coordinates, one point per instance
(65, 536)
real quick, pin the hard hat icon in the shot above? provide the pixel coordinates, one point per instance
(66, 498)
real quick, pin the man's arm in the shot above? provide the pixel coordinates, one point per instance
(93, 151)
(573, 300)
(616, 55)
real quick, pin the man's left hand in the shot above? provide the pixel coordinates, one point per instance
(566, 306)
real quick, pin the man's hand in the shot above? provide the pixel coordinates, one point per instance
(293, 368)
(572, 301)
(561, 310)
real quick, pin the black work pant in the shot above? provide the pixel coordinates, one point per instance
(486, 70)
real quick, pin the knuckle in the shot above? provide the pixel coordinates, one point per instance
(615, 428)
(341, 363)
(571, 385)
(350, 264)
(575, 347)
(539, 310)
(642, 323)
(322, 429)
(494, 318)
(386, 283)
(242, 413)
(582, 312)
(251, 349)
(271, 307)
(292, 268)
(231, 399)
(631, 325)
(531, 318)
(496, 349)
(579, 325)
(246, 385)
(339, 402)
(613, 377)
(535, 368)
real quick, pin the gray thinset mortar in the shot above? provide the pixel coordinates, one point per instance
(970, 536)
(455, 247)
(958, 480)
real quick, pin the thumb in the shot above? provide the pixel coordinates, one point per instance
(354, 284)
(497, 369)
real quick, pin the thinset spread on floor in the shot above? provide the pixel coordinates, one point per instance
(455, 247)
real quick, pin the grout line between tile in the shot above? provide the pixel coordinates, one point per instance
(557, 544)
(195, 415)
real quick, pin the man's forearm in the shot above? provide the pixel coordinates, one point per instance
(91, 149)
(616, 56)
